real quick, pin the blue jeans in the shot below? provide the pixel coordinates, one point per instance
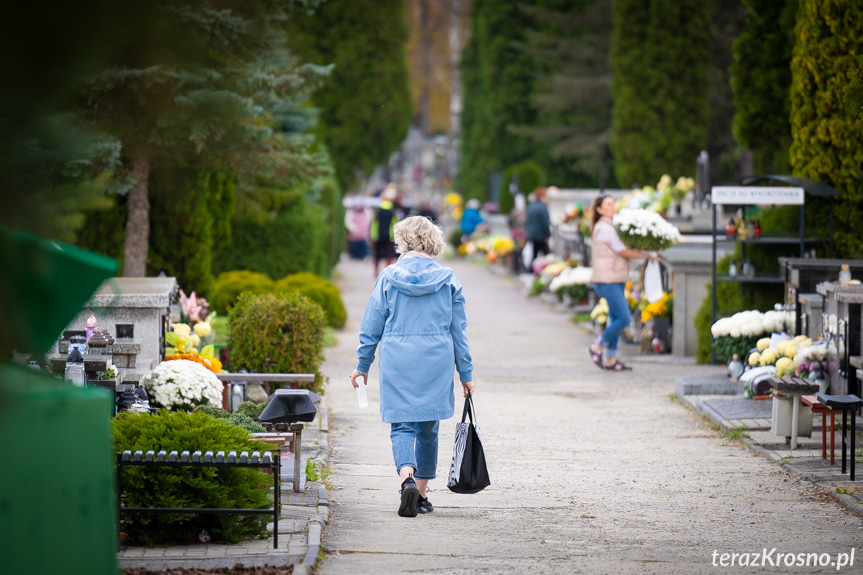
(415, 444)
(618, 316)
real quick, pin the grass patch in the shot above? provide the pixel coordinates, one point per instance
(317, 472)
(672, 397)
(582, 316)
(737, 433)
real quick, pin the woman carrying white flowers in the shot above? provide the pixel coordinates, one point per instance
(609, 260)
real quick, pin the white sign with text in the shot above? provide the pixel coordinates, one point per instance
(756, 195)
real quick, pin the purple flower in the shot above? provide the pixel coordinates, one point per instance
(801, 367)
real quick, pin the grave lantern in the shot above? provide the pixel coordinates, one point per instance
(109, 349)
(98, 343)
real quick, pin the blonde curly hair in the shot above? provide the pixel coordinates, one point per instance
(418, 233)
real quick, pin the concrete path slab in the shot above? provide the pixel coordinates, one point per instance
(592, 471)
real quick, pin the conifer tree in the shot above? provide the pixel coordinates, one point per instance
(761, 80)
(827, 132)
(660, 60)
(365, 103)
(193, 83)
(498, 82)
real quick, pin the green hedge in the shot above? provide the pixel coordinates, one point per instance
(760, 79)
(318, 290)
(189, 486)
(278, 334)
(229, 285)
(660, 62)
(291, 241)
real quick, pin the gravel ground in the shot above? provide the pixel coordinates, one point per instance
(592, 471)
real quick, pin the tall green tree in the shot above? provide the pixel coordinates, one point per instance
(572, 89)
(827, 133)
(660, 61)
(365, 103)
(498, 81)
(761, 81)
(53, 170)
(192, 82)
(726, 22)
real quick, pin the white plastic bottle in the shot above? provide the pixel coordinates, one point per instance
(362, 398)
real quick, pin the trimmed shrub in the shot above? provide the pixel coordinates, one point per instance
(278, 334)
(240, 487)
(251, 409)
(245, 422)
(212, 411)
(240, 419)
(322, 292)
(229, 286)
(293, 240)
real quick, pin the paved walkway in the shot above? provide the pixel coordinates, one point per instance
(592, 471)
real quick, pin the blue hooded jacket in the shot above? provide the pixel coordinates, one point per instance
(417, 315)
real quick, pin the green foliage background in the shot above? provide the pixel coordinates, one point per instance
(660, 59)
(278, 334)
(291, 239)
(189, 486)
(529, 176)
(828, 134)
(498, 80)
(229, 285)
(190, 214)
(365, 103)
(761, 79)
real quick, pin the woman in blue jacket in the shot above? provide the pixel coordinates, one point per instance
(417, 315)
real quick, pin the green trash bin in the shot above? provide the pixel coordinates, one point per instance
(57, 500)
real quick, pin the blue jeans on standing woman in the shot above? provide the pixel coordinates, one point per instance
(415, 444)
(618, 316)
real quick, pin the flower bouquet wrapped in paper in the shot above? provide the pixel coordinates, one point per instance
(645, 230)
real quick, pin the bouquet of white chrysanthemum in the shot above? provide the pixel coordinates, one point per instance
(744, 330)
(645, 230)
(182, 384)
(580, 275)
(572, 282)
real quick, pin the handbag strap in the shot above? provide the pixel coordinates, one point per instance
(469, 410)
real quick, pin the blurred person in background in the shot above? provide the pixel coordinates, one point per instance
(471, 218)
(381, 233)
(537, 226)
(358, 223)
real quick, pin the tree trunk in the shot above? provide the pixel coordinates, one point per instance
(136, 245)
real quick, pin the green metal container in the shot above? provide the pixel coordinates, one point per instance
(57, 506)
(57, 482)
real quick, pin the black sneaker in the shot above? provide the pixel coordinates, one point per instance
(424, 505)
(410, 497)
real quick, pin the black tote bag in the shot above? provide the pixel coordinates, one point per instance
(468, 472)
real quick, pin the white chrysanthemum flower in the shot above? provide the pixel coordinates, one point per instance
(183, 383)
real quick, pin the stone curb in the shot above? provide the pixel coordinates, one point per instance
(850, 502)
(315, 527)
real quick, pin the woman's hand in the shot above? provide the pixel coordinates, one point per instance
(468, 387)
(357, 373)
(652, 256)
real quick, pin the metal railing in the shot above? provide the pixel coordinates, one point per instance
(198, 459)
